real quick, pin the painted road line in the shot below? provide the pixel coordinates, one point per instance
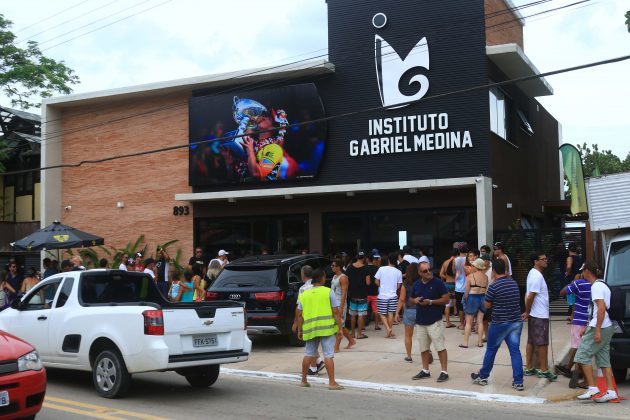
(287, 377)
(99, 410)
(72, 410)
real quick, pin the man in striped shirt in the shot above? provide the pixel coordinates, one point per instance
(503, 297)
(582, 291)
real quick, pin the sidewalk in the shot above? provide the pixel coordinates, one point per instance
(380, 360)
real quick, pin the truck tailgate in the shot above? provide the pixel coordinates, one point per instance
(204, 329)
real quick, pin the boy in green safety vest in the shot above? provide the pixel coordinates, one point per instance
(319, 321)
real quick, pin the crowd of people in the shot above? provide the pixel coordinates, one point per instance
(474, 285)
(176, 284)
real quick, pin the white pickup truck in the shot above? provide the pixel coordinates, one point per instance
(115, 323)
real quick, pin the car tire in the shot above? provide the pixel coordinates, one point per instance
(620, 375)
(109, 374)
(203, 376)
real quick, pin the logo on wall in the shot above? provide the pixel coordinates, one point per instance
(390, 68)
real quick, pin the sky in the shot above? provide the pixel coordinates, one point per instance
(144, 41)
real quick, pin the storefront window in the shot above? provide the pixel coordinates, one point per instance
(432, 230)
(242, 236)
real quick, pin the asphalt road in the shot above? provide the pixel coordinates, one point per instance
(156, 396)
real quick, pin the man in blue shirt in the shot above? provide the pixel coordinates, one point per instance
(503, 297)
(430, 295)
(581, 289)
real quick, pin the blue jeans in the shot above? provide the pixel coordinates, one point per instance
(511, 333)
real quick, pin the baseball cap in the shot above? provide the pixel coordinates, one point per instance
(66, 263)
(223, 252)
(139, 254)
(375, 253)
(361, 254)
(130, 261)
(148, 261)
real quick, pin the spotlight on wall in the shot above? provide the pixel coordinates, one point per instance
(350, 193)
(231, 200)
(288, 197)
(120, 204)
(495, 186)
(68, 208)
(413, 190)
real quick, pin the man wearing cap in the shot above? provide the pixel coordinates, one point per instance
(138, 262)
(221, 257)
(149, 267)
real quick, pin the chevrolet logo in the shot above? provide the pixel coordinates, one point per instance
(209, 322)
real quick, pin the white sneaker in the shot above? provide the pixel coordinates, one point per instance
(590, 393)
(608, 396)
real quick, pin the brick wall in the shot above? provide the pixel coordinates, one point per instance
(146, 184)
(504, 28)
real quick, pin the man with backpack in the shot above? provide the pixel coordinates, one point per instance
(596, 339)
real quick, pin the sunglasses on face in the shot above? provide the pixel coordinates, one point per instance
(424, 271)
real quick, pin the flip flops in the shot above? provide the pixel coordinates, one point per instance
(336, 388)
(463, 346)
(362, 337)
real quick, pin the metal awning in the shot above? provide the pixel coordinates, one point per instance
(513, 62)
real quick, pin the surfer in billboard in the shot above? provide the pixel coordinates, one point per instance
(263, 155)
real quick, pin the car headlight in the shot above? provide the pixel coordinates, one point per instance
(30, 361)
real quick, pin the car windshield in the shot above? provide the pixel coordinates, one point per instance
(103, 288)
(246, 277)
(618, 272)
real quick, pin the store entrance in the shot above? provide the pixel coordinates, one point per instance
(242, 236)
(433, 230)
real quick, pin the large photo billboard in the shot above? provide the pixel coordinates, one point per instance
(267, 144)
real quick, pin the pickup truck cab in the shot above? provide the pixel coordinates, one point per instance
(116, 323)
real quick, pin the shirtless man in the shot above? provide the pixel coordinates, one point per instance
(447, 274)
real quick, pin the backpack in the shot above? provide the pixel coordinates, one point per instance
(617, 309)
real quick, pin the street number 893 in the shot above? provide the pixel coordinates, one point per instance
(181, 211)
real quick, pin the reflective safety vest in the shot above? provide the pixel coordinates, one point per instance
(317, 313)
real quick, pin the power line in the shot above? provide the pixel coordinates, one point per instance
(333, 117)
(52, 135)
(51, 16)
(68, 21)
(100, 27)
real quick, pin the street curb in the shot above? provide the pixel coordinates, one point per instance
(406, 389)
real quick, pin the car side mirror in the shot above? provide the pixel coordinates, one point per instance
(16, 304)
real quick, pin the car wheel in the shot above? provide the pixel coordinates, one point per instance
(110, 375)
(203, 376)
(620, 375)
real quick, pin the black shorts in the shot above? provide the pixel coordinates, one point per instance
(487, 316)
(458, 301)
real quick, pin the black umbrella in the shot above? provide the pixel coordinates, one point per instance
(57, 236)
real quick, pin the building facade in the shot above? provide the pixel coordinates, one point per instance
(394, 139)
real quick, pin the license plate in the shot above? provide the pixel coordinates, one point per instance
(205, 340)
(4, 398)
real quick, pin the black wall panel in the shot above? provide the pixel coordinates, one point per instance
(455, 34)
